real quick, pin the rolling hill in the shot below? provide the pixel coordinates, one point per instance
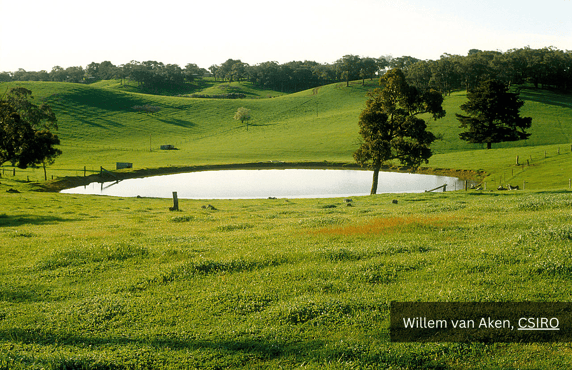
(102, 123)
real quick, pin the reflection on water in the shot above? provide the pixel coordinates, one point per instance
(249, 184)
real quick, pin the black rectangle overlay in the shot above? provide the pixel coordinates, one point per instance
(487, 322)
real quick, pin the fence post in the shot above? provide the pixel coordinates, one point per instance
(84, 171)
(517, 160)
(175, 202)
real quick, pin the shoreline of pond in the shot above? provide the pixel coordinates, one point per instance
(68, 182)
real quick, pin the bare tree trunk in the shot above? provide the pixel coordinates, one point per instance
(375, 180)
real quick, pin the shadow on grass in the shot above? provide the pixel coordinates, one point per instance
(556, 191)
(260, 348)
(220, 353)
(177, 122)
(22, 294)
(7, 221)
(546, 97)
(482, 193)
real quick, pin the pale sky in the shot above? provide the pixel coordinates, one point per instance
(40, 34)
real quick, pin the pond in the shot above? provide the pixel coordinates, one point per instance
(251, 184)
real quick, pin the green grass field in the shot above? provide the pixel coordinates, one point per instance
(92, 282)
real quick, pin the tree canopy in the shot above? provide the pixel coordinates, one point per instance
(390, 126)
(493, 115)
(25, 136)
(546, 67)
(242, 114)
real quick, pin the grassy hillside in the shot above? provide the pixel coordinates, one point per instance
(99, 126)
(551, 114)
(102, 123)
(205, 86)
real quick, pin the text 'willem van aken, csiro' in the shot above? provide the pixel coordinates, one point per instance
(481, 322)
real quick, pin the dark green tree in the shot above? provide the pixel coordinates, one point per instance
(349, 67)
(25, 136)
(102, 71)
(192, 72)
(390, 126)
(493, 115)
(403, 63)
(368, 68)
(226, 71)
(58, 74)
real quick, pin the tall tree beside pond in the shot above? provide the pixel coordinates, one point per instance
(390, 126)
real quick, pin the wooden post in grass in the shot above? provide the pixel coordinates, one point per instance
(517, 160)
(84, 171)
(175, 202)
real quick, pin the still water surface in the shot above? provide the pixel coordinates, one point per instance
(251, 184)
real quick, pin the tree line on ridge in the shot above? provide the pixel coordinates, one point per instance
(545, 68)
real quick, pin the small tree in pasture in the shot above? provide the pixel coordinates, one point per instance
(242, 114)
